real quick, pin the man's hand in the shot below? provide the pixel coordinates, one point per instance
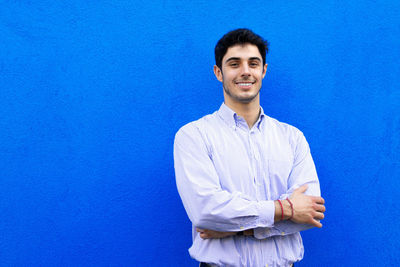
(307, 209)
(208, 234)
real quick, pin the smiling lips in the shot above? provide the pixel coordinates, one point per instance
(245, 85)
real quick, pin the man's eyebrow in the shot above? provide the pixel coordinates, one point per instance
(232, 59)
(238, 58)
(255, 58)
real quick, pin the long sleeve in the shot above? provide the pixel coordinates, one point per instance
(303, 172)
(207, 204)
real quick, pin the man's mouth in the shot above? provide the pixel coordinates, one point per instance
(244, 84)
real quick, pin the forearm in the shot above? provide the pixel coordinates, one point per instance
(300, 212)
(224, 211)
(281, 216)
(283, 225)
(259, 232)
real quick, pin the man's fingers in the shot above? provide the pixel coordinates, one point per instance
(204, 236)
(317, 224)
(203, 233)
(318, 200)
(320, 208)
(319, 216)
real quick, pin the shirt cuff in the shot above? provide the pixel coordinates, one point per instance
(266, 211)
(262, 233)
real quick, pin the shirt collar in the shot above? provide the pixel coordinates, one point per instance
(261, 119)
(231, 118)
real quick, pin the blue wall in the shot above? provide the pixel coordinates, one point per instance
(91, 95)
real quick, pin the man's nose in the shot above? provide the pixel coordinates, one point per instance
(245, 70)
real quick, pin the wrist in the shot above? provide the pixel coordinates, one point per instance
(291, 207)
(287, 210)
(283, 210)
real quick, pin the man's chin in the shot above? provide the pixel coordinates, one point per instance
(245, 99)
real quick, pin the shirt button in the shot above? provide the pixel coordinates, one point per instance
(241, 227)
(282, 233)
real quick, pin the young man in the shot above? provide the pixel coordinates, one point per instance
(247, 181)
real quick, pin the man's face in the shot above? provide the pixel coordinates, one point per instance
(242, 73)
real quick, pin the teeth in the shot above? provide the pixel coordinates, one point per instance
(244, 84)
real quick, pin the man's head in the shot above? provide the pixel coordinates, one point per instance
(239, 36)
(240, 66)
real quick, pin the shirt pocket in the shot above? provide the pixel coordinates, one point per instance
(278, 173)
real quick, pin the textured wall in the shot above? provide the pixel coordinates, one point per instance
(91, 95)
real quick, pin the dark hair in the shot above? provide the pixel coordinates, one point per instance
(239, 36)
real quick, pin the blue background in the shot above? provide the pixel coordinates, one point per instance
(91, 95)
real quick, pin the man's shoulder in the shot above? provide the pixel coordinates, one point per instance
(283, 128)
(198, 126)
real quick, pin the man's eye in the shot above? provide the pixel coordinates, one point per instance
(254, 64)
(234, 64)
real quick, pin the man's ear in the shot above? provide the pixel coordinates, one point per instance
(218, 73)
(264, 70)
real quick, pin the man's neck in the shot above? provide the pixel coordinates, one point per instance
(249, 111)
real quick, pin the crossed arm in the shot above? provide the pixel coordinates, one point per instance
(217, 213)
(306, 210)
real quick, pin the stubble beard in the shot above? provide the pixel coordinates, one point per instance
(241, 99)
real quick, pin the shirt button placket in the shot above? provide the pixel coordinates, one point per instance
(256, 167)
(254, 163)
(260, 173)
